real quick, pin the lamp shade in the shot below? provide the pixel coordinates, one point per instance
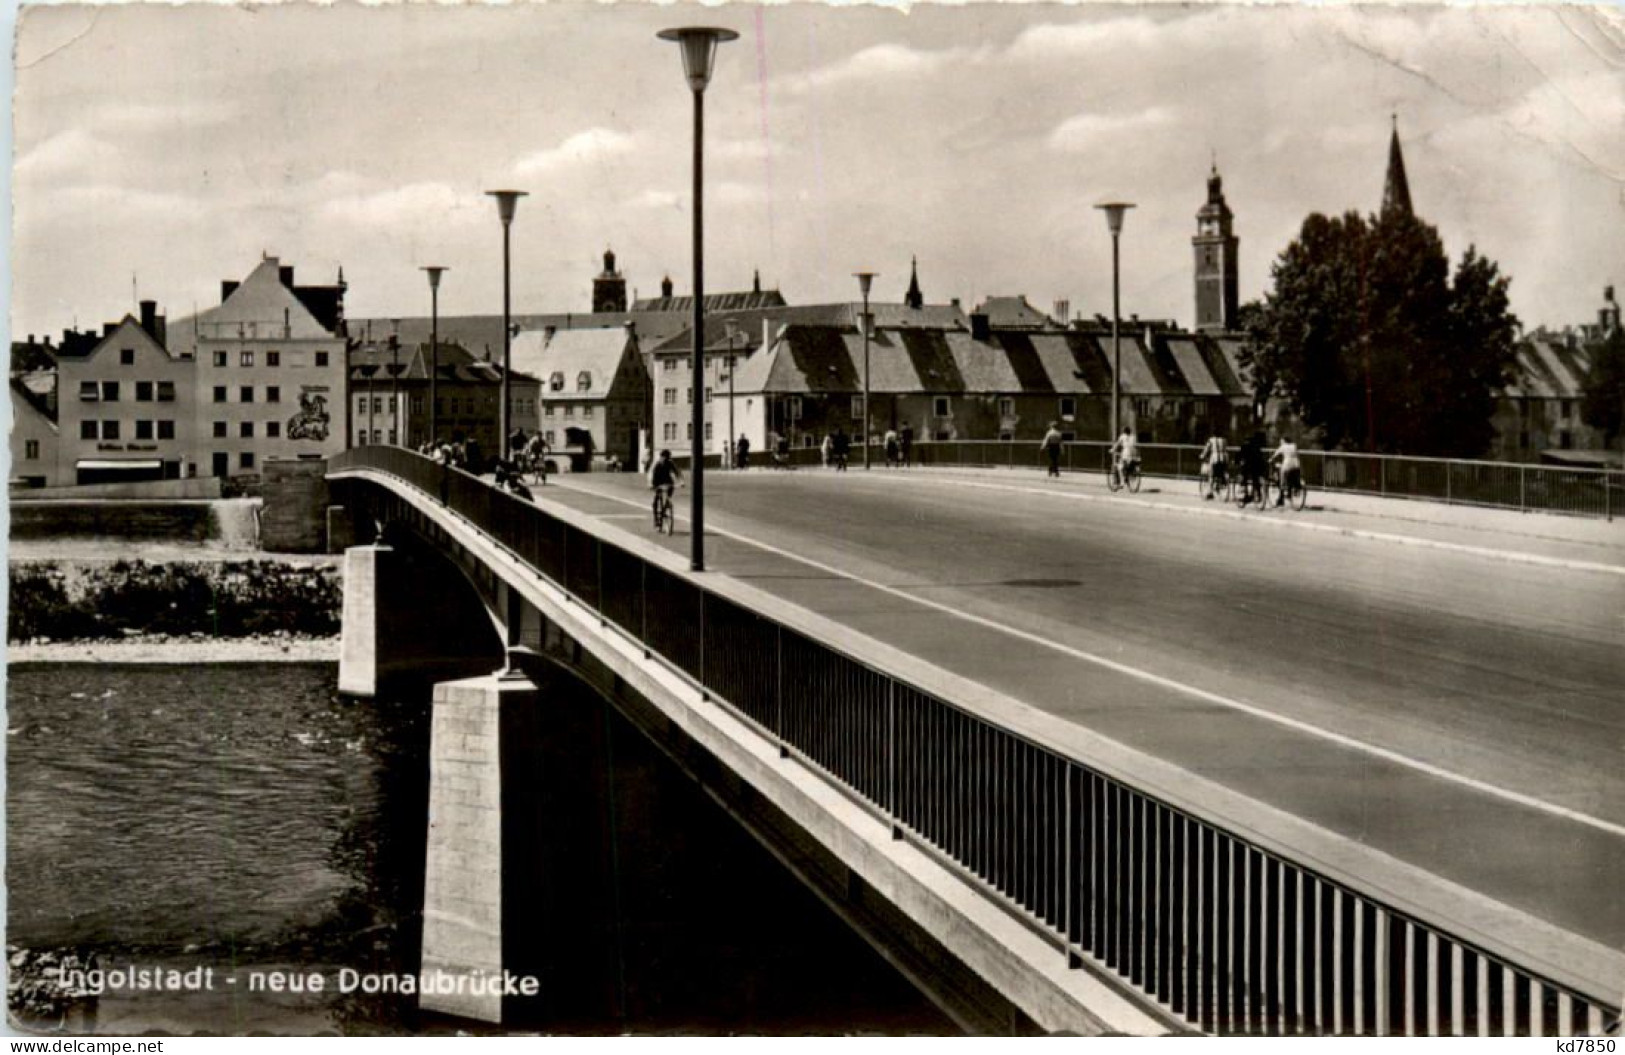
(865, 279)
(434, 274)
(699, 47)
(507, 202)
(1115, 211)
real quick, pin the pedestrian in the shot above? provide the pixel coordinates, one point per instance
(1051, 446)
(841, 447)
(826, 450)
(905, 441)
(742, 451)
(891, 448)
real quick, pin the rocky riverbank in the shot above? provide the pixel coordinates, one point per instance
(179, 648)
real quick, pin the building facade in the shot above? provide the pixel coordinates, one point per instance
(389, 397)
(125, 406)
(594, 391)
(270, 372)
(34, 441)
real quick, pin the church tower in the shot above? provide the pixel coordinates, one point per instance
(1215, 244)
(1396, 190)
(914, 298)
(609, 288)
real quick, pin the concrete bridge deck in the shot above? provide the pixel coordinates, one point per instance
(1439, 688)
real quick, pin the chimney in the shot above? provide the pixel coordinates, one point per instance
(285, 272)
(108, 328)
(665, 287)
(149, 313)
(979, 328)
(1063, 311)
(30, 339)
(955, 302)
(767, 334)
(227, 288)
(547, 334)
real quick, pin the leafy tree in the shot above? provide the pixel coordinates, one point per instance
(1603, 406)
(1371, 341)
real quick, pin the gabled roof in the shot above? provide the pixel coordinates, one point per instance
(1546, 368)
(262, 306)
(125, 331)
(739, 301)
(598, 353)
(21, 398)
(455, 363)
(1013, 313)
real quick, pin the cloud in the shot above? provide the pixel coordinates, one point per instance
(1085, 131)
(881, 62)
(413, 205)
(655, 199)
(592, 145)
(148, 117)
(1062, 41)
(67, 152)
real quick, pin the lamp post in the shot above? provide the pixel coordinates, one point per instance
(434, 273)
(367, 370)
(397, 437)
(865, 280)
(1114, 220)
(733, 332)
(699, 47)
(507, 202)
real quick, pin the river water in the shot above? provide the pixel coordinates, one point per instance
(247, 816)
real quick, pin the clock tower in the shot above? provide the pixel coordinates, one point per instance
(1215, 244)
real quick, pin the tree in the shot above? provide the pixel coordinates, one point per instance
(1603, 405)
(1371, 342)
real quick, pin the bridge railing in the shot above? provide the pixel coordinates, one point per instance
(1500, 485)
(1225, 934)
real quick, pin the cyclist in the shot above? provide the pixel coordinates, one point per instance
(1291, 472)
(1215, 462)
(1125, 454)
(663, 478)
(534, 456)
(1252, 468)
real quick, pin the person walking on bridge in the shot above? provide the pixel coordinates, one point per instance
(1051, 446)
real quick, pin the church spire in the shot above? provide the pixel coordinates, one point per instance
(914, 298)
(1396, 193)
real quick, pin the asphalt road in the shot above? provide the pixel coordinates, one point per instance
(1456, 710)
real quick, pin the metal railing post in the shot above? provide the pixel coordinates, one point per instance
(1449, 472)
(891, 758)
(1523, 504)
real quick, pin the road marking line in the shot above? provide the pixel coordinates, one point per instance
(1176, 686)
(943, 477)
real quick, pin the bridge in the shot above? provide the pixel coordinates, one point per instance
(1071, 761)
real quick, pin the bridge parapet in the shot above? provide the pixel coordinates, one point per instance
(1231, 916)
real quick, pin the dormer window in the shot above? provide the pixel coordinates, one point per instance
(584, 381)
(556, 382)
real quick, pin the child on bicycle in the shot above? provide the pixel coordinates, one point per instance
(663, 479)
(1125, 453)
(1291, 472)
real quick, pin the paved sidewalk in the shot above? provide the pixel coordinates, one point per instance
(1539, 537)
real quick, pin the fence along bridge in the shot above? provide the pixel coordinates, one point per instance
(1074, 884)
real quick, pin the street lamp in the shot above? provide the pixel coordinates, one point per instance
(507, 202)
(699, 48)
(434, 273)
(733, 331)
(865, 280)
(1114, 220)
(367, 371)
(397, 436)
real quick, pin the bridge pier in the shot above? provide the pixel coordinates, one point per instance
(483, 740)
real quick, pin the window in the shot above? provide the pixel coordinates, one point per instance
(586, 411)
(245, 394)
(1069, 437)
(245, 429)
(555, 383)
(1005, 435)
(584, 381)
(940, 407)
(361, 438)
(708, 395)
(391, 435)
(360, 404)
(707, 432)
(688, 394)
(166, 391)
(109, 391)
(126, 356)
(1199, 409)
(245, 359)
(273, 358)
(668, 431)
(378, 405)
(857, 408)
(688, 431)
(569, 411)
(219, 393)
(671, 364)
(321, 358)
(220, 430)
(549, 437)
(417, 406)
(548, 412)
(1142, 407)
(669, 397)
(807, 440)
(245, 460)
(31, 449)
(389, 405)
(143, 391)
(143, 430)
(273, 394)
(1565, 440)
(1568, 409)
(109, 430)
(1069, 408)
(273, 429)
(377, 435)
(166, 430)
(220, 359)
(1007, 407)
(795, 408)
(89, 391)
(87, 430)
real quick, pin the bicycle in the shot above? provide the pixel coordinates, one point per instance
(531, 465)
(1295, 494)
(665, 518)
(1124, 475)
(1248, 489)
(1218, 483)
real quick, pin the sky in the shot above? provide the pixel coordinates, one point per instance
(161, 149)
